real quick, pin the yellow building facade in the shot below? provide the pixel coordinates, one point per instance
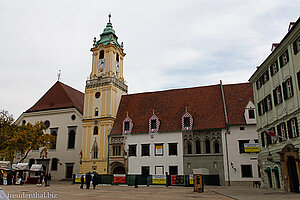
(103, 92)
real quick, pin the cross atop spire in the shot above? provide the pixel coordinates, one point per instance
(58, 75)
(109, 16)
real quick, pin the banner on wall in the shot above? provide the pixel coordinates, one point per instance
(119, 178)
(249, 148)
(191, 179)
(78, 178)
(177, 180)
(159, 179)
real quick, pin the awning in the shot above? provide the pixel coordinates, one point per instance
(37, 168)
(5, 165)
(20, 166)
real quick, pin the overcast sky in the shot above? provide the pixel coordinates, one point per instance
(169, 44)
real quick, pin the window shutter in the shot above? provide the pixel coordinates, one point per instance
(290, 130)
(298, 77)
(259, 109)
(292, 87)
(275, 97)
(270, 98)
(297, 130)
(262, 139)
(280, 61)
(295, 47)
(284, 90)
(279, 132)
(287, 55)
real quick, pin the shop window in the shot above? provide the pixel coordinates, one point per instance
(145, 170)
(173, 170)
(54, 163)
(246, 171)
(132, 150)
(145, 150)
(172, 149)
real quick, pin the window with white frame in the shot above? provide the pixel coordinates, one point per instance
(274, 68)
(159, 150)
(145, 150)
(292, 128)
(281, 129)
(277, 95)
(284, 58)
(287, 87)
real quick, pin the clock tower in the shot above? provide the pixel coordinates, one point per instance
(103, 92)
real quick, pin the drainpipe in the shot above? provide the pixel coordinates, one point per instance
(227, 130)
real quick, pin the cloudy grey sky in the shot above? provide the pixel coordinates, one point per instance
(169, 44)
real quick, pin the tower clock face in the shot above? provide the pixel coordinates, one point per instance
(117, 66)
(101, 64)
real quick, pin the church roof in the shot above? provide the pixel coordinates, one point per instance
(108, 36)
(59, 96)
(203, 103)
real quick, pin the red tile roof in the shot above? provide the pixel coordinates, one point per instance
(204, 103)
(237, 96)
(59, 96)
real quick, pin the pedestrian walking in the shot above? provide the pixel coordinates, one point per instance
(88, 180)
(49, 179)
(46, 179)
(95, 181)
(40, 181)
(81, 181)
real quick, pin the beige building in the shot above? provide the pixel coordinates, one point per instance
(276, 84)
(103, 92)
(61, 109)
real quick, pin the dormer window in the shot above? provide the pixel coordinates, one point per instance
(187, 122)
(154, 124)
(251, 114)
(101, 55)
(127, 125)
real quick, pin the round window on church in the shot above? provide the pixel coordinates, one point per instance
(73, 117)
(97, 95)
(47, 123)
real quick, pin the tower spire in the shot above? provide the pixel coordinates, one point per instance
(109, 16)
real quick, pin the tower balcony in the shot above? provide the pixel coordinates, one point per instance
(102, 81)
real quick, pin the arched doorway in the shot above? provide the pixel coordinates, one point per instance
(119, 170)
(293, 175)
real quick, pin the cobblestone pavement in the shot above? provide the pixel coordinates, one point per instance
(64, 190)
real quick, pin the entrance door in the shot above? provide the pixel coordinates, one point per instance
(69, 170)
(293, 175)
(119, 170)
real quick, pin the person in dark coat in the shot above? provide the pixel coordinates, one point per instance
(41, 179)
(46, 180)
(88, 180)
(95, 181)
(49, 179)
(81, 181)
(135, 182)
